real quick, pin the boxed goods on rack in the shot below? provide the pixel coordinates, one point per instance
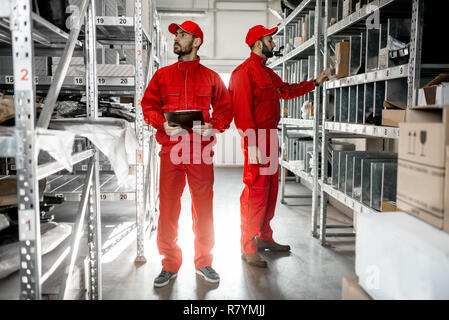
(393, 117)
(435, 92)
(342, 59)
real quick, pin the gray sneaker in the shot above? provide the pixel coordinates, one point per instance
(164, 278)
(209, 274)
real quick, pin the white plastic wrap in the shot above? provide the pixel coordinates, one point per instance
(401, 257)
(4, 222)
(58, 144)
(114, 137)
(394, 44)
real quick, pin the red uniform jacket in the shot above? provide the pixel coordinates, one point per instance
(255, 91)
(186, 85)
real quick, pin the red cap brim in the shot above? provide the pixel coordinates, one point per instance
(173, 28)
(271, 31)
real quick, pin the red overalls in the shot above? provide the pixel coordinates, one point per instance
(186, 86)
(255, 91)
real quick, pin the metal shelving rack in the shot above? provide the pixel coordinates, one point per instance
(346, 27)
(310, 47)
(321, 128)
(28, 29)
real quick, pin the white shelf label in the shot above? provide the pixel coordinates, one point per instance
(9, 79)
(78, 80)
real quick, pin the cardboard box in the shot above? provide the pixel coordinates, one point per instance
(435, 92)
(351, 290)
(342, 59)
(388, 206)
(422, 165)
(8, 191)
(393, 117)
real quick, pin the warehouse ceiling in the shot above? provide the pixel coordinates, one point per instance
(224, 23)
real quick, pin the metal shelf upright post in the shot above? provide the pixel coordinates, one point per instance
(139, 127)
(94, 291)
(317, 108)
(27, 184)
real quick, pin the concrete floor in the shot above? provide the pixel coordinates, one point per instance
(310, 271)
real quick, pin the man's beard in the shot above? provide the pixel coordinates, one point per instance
(183, 51)
(266, 51)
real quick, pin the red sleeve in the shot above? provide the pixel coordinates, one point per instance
(152, 105)
(221, 106)
(292, 91)
(242, 99)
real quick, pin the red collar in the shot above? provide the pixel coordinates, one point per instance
(258, 59)
(188, 65)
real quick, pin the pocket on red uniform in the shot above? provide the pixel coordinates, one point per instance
(170, 97)
(202, 101)
(265, 91)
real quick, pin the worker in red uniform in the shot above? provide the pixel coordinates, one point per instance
(186, 85)
(255, 91)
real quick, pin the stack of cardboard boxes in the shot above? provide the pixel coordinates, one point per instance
(435, 92)
(423, 185)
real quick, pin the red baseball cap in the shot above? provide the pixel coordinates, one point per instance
(189, 27)
(257, 32)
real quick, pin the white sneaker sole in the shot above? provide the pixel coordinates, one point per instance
(159, 285)
(206, 278)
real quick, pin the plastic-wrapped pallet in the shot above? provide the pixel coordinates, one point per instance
(399, 257)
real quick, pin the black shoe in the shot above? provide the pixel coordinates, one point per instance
(164, 278)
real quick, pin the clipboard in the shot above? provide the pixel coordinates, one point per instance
(184, 118)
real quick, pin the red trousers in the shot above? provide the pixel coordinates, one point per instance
(258, 201)
(171, 185)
